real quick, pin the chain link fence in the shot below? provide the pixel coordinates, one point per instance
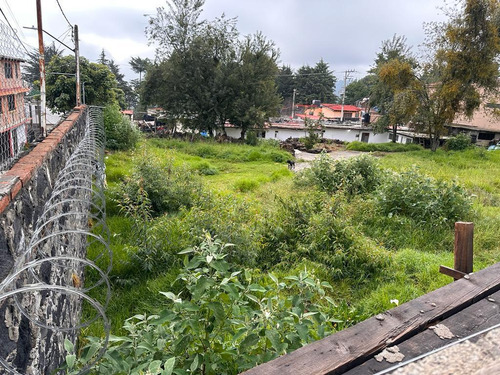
(16, 129)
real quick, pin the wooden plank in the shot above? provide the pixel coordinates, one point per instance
(451, 272)
(344, 350)
(475, 318)
(463, 254)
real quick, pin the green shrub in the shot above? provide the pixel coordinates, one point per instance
(423, 199)
(206, 169)
(231, 219)
(168, 187)
(383, 147)
(315, 228)
(245, 185)
(224, 321)
(251, 138)
(254, 155)
(353, 176)
(121, 134)
(459, 142)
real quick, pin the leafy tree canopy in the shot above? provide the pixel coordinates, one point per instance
(462, 68)
(315, 83)
(100, 83)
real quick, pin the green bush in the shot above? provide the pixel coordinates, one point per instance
(459, 142)
(353, 176)
(315, 228)
(383, 147)
(121, 134)
(251, 138)
(231, 219)
(423, 199)
(245, 185)
(206, 169)
(168, 187)
(225, 320)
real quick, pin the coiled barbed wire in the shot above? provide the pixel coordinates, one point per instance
(65, 266)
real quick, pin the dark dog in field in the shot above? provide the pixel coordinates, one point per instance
(291, 164)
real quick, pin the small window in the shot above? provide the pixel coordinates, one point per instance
(1, 105)
(408, 140)
(11, 102)
(8, 70)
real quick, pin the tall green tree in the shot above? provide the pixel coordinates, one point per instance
(387, 96)
(315, 83)
(360, 89)
(463, 68)
(204, 76)
(285, 81)
(100, 83)
(140, 65)
(256, 97)
(32, 66)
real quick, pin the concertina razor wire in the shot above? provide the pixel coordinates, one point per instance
(66, 264)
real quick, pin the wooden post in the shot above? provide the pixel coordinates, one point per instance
(464, 235)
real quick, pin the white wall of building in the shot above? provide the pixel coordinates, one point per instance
(342, 134)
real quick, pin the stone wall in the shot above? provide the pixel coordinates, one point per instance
(24, 189)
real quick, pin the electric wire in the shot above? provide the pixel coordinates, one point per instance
(62, 11)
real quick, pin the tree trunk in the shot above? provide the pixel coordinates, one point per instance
(394, 132)
(243, 132)
(434, 143)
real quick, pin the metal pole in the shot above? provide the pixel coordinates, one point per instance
(293, 103)
(41, 60)
(77, 57)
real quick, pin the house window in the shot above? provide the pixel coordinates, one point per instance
(486, 136)
(1, 105)
(4, 147)
(365, 137)
(347, 115)
(17, 70)
(8, 70)
(11, 102)
(408, 140)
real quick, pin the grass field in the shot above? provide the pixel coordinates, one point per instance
(249, 182)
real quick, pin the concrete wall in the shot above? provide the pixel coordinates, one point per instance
(23, 191)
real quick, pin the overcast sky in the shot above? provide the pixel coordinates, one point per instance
(345, 33)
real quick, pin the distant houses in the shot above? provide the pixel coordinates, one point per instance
(13, 118)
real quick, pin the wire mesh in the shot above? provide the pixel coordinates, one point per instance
(64, 267)
(14, 120)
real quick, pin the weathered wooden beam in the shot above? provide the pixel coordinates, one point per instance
(464, 239)
(451, 272)
(341, 351)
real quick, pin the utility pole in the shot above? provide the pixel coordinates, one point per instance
(41, 60)
(293, 103)
(77, 58)
(346, 76)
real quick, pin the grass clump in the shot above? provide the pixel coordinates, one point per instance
(383, 147)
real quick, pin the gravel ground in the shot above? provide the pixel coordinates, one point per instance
(304, 158)
(478, 358)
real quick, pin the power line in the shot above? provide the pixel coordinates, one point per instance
(14, 18)
(62, 11)
(14, 31)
